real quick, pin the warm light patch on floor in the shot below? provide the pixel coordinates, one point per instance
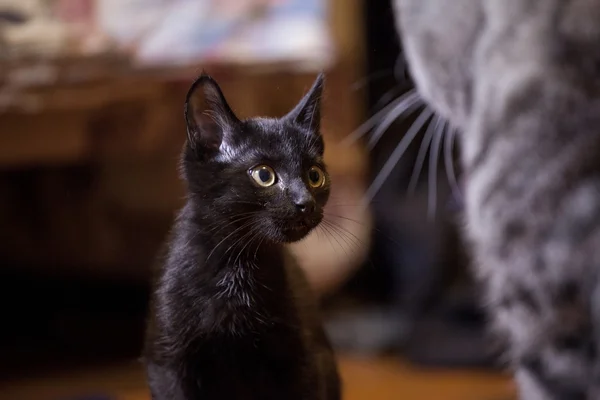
(364, 379)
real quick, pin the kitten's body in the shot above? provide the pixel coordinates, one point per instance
(233, 316)
(520, 80)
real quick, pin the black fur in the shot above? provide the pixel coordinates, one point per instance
(232, 315)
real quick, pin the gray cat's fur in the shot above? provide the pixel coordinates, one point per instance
(519, 78)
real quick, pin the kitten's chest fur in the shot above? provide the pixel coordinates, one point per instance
(253, 295)
(256, 354)
(256, 337)
(236, 328)
(214, 291)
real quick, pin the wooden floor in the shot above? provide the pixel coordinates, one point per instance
(364, 379)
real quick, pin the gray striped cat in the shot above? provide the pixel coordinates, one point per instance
(520, 80)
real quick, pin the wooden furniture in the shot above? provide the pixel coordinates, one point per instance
(89, 149)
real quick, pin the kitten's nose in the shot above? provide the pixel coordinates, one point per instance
(305, 206)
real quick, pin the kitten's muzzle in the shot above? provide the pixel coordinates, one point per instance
(305, 207)
(305, 220)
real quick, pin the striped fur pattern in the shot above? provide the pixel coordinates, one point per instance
(519, 80)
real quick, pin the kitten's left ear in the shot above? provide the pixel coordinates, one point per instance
(210, 121)
(307, 113)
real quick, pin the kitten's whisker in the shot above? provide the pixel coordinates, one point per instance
(231, 218)
(348, 250)
(216, 230)
(242, 239)
(408, 104)
(337, 197)
(366, 127)
(194, 236)
(238, 201)
(258, 247)
(252, 236)
(350, 244)
(238, 218)
(344, 218)
(227, 237)
(346, 233)
(255, 238)
(317, 232)
(355, 249)
(328, 236)
(433, 165)
(420, 161)
(325, 224)
(351, 236)
(398, 152)
(449, 161)
(231, 249)
(363, 224)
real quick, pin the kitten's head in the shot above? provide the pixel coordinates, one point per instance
(260, 174)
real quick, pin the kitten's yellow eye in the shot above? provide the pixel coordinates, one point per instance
(316, 177)
(263, 175)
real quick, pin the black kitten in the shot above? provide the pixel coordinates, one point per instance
(233, 316)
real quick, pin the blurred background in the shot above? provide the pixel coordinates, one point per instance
(91, 125)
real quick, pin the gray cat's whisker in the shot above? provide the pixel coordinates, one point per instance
(423, 149)
(362, 82)
(400, 68)
(371, 122)
(449, 162)
(433, 165)
(398, 152)
(411, 102)
(387, 97)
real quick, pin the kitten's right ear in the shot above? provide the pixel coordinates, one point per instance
(307, 113)
(208, 117)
